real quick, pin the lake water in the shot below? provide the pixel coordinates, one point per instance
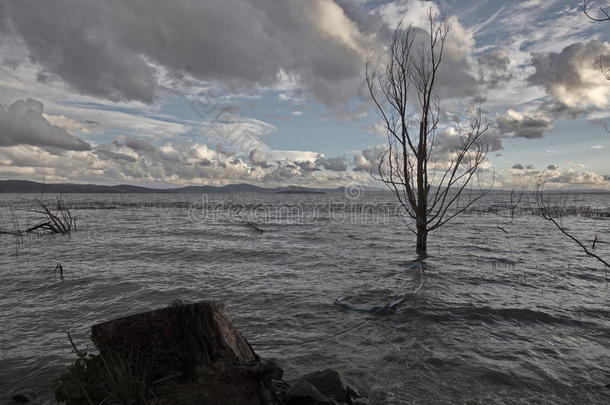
(509, 316)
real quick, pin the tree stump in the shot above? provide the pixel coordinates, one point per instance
(175, 340)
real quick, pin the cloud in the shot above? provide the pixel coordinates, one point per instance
(336, 164)
(575, 177)
(552, 167)
(494, 68)
(448, 141)
(368, 159)
(259, 159)
(241, 133)
(597, 147)
(105, 154)
(518, 166)
(23, 123)
(407, 12)
(139, 144)
(72, 125)
(77, 42)
(572, 77)
(523, 125)
(112, 49)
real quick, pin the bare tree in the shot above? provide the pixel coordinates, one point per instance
(603, 13)
(546, 212)
(428, 185)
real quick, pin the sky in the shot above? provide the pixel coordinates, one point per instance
(272, 92)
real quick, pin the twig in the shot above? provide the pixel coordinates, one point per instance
(14, 233)
(59, 268)
(78, 352)
(544, 212)
(251, 225)
(502, 229)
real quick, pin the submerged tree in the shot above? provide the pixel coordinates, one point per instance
(428, 184)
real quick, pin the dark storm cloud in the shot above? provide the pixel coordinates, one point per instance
(524, 125)
(103, 48)
(138, 144)
(105, 154)
(77, 41)
(22, 123)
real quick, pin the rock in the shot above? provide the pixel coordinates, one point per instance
(353, 392)
(175, 340)
(304, 393)
(332, 384)
(20, 398)
(271, 369)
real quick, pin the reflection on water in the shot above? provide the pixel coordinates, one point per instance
(504, 317)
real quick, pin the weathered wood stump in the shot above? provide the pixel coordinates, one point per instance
(175, 339)
(188, 354)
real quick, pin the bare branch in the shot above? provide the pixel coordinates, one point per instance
(546, 214)
(586, 8)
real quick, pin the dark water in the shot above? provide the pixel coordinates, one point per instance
(511, 317)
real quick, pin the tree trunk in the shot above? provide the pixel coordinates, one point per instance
(422, 241)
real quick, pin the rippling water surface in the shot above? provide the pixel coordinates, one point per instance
(510, 316)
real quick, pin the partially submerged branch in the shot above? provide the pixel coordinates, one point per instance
(250, 224)
(58, 220)
(545, 212)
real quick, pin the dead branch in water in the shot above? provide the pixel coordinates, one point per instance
(59, 269)
(251, 225)
(543, 205)
(14, 233)
(58, 220)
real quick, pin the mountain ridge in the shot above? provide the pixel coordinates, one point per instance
(27, 186)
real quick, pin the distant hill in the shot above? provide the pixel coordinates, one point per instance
(24, 186)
